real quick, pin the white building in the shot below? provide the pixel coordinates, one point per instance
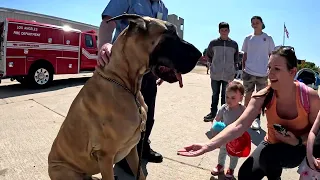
(25, 15)
(179, 22)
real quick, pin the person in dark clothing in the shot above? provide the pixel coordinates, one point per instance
(238, 74)
(149, 92)
(206, 58)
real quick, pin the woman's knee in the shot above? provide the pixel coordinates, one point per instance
(249, 170)
(245, 169)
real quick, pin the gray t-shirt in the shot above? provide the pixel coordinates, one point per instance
(228, 115)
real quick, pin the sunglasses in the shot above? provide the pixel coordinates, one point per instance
(285, 49)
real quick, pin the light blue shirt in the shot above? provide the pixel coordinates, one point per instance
(139, 7)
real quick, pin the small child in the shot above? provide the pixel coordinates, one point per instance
(309, 169)
(229, 113)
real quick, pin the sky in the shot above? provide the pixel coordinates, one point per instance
(201, 19)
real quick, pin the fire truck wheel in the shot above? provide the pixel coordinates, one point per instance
(40, 76)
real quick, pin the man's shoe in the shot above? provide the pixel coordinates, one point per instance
(209, 118)
(255, 124)
(153, 156)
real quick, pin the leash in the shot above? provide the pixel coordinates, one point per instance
(139, 107)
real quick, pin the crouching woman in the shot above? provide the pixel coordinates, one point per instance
(285, 101)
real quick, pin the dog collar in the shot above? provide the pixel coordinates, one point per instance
(117, 83)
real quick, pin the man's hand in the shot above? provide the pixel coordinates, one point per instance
(104, 54)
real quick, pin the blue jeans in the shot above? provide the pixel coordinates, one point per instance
(215, 86)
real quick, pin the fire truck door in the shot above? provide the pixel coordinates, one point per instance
(89, 52)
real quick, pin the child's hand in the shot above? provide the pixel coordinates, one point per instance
(317, 163)
(313, 162)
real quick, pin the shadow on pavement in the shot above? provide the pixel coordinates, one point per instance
(257, 135)
(19, 89)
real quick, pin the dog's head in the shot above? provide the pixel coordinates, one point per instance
(157, 46)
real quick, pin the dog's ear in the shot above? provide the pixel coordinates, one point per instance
(139, 24)
(135, 20)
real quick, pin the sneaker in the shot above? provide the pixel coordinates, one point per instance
(208, 118)
(255, 124)
(217, 170)
(229, 174)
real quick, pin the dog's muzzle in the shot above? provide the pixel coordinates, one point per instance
(173, 57)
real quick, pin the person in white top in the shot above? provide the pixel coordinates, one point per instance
(257, 48)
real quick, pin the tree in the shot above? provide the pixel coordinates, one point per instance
(309, 65)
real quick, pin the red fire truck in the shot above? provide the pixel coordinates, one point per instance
(32, 52)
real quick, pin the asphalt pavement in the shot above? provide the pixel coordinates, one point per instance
(30, 120)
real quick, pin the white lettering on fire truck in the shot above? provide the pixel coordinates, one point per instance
(24, 33)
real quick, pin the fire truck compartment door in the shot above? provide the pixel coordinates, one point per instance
(67, 66)
(16, 65)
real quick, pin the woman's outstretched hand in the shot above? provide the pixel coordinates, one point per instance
(194, 150)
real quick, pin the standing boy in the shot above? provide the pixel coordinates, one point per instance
(257, 48)
(223, 54)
